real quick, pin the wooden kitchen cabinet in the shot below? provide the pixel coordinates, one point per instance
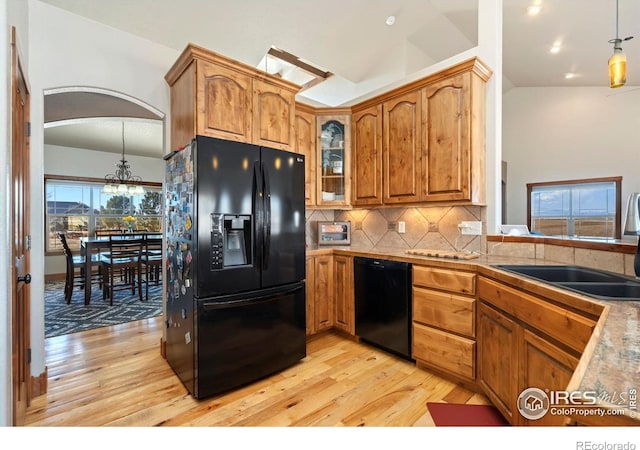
(344, 310)
(333, 169)
(402, 148)
(324, 293)
(526, 342)
(213, 95)
(305, 144)
(444, 321)
(310, 294)
(366, 142)
(545, 366)
(273, 114)
(498, 360)
(454, 157)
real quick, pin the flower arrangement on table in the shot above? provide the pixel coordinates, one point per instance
(130, 222)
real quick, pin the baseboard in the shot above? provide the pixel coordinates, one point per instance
(39, 383)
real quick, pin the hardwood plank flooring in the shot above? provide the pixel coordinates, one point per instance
(115, 376)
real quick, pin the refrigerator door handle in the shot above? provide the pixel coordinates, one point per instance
(267, 217)
(258, 205)
(245, 302)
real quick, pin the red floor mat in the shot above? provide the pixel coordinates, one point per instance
(460, 415)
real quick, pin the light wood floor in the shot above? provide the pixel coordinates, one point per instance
(116, 376)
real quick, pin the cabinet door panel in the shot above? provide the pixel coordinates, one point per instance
(224, 103)
(546, 367)
(305, 129)
(273, 116)
(447, 113)
(324, 294)
(310, 285)
(366, 181)
(345, 301)
(498, 363)
(402, 148)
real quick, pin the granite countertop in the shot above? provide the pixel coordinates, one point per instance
(610, 363)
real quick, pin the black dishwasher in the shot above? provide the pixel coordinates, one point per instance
(383, 304)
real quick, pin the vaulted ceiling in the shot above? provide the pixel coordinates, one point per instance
(351, 39)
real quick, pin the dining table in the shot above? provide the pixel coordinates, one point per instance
(96, 244)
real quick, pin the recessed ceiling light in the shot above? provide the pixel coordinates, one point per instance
(569, 75)
(391, 20)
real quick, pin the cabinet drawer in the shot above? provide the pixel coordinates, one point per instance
(448, 311)
(445, 350)
(448, 280)
(566, 326)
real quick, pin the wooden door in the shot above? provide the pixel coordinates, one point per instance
(366, 180)
(447, 157)
(223, 102)
(20, 233)
(402, 148)
(545, 367)
(273, 116)
(324, 293)
(305, 129)
(498, 341)
(344, 294)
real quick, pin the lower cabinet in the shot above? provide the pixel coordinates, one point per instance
(444, 325)
(330, 299)
(344, 311)
(513, 356)
(498, 338)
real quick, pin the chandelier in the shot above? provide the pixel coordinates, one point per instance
(123, 181)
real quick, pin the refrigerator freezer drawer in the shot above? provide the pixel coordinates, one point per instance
(242, 340)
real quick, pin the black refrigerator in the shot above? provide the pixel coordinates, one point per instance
(235, 263)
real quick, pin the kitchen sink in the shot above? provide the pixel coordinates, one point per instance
(629, 290)
(557, 274)
(600, 284)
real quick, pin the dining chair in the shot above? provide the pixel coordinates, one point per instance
(151, 262)
(125, 256)
(75, 276)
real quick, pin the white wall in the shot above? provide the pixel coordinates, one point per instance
(69, 50)
(553, 134)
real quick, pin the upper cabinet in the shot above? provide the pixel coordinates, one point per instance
(366, 143)
(432, 141)
(334, 160)
(212, 95)
(402, 148)
(305, 132)
(454, 158)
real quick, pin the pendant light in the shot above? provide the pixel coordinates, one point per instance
(618, 61)
(123, 182)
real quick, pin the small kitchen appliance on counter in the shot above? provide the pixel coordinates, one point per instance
(334, 233)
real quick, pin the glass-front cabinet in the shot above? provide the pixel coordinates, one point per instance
(334, 160)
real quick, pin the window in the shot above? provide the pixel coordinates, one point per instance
(581, 208)
(79, 208)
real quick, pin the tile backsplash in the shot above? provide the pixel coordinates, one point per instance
(425, 227)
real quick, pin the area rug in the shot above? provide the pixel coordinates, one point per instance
(60, 318)
(461, 415)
